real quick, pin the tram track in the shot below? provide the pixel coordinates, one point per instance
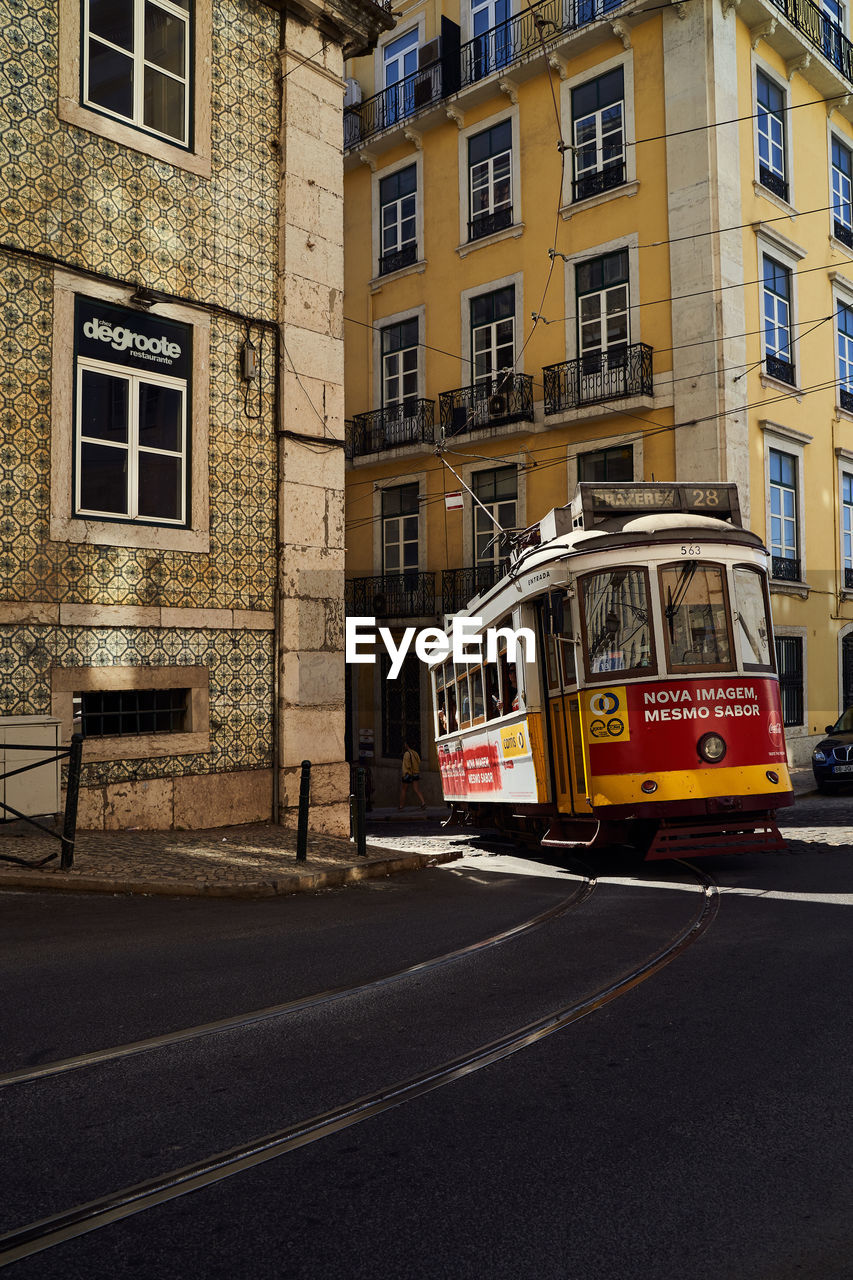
(116, 1053)
(129, 1201)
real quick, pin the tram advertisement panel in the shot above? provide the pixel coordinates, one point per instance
(656, 725)
(495, 764)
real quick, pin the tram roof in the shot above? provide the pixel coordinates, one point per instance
(636, 531)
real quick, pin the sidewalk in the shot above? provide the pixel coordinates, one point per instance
(256, 861)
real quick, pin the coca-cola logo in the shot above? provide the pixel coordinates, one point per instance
(774, 728)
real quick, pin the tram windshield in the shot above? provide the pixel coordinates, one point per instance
(618, 631)
(751, 620)
(696, 625)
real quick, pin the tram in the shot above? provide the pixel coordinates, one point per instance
(647, 713)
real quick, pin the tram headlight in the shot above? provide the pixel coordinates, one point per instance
(711, 747)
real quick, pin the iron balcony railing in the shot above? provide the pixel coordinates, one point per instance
(391, 595)
(824, 34)
(410, 422)
(785, 568)
(599, 181)
(773, 182)
(848, 579)
(398, 259)
(493, 402)
(459, 586)
(843, 233)
(493, 50)
(782, 370)
(845, 399)
(597, 377)
(486, 224)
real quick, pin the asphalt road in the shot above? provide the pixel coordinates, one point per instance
(697, 1126)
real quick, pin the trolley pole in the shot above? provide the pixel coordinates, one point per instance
(72, 795)
(360, 810)
(304, 800)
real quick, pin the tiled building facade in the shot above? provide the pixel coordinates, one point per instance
(157, 388)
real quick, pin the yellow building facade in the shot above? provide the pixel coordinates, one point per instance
(596, 241)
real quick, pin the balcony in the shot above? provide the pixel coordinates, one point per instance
(784, 569)
(821, 32)
(410, 422)
(597, 182)
(391, 595)
(848, 579)
(597, 377)
(459, 586)
(404, 257)
(781, 370)
(486, 224)
(494, 402)
(845, 399)
(494, 50)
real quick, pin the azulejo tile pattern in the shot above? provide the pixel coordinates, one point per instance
(240, 665)
(92, 204)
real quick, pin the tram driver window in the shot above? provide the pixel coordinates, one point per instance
(695, 617)
(617, 630)
(751, 617)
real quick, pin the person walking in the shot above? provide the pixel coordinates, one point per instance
(411, 774)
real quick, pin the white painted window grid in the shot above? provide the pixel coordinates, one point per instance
(770, 112)
(134, 452)
(784, 485)
(145, 75)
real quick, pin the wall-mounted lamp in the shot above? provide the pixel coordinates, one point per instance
(145, 297)
(249, 361)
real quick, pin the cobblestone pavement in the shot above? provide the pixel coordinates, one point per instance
(260, 860)
(249, 861)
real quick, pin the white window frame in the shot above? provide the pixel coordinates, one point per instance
(492, 286)
(630, 186)
(385, 322)
(394, 482)
(834, 135)
(844, 461)
(132, 448)
(402, 372)
(195, 157)
(631, 243)
(787, 253)
(124, 532)
(139, 65)
(758, 65)
(466, 245)
(491, 507)
(379, 56)
(786, 440)
(376, 218)
(466, 471)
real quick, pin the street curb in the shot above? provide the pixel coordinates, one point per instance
(335, 877)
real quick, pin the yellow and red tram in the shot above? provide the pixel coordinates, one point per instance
(647, 711)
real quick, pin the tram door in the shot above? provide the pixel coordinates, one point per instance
(565, 722)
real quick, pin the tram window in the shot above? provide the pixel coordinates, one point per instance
(492, 689)
(696, 626)
(452, 724)
(463, 699)
(512, 699)
(752, 628)
(617, 632)
(552, 664)
(567, 657)
(439, 702)
(475, 684)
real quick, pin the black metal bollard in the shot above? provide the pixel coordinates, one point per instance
(72, 795)
(360, 809)
(304, 800)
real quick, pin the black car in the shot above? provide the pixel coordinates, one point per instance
(832, 758)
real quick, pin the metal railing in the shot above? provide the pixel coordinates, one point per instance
(400, 258)
(781, 370)
(494, 50)
(391, 595)
(486, 224)
(848, 579)
(506, 398)
(410, 422)
(824, 34)
(599, 181)
(50, 755)
(599, 377)
(458, 586)
(785, 568)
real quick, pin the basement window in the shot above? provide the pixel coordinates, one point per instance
(114, 713)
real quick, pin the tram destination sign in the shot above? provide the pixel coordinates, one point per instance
(594, 503)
